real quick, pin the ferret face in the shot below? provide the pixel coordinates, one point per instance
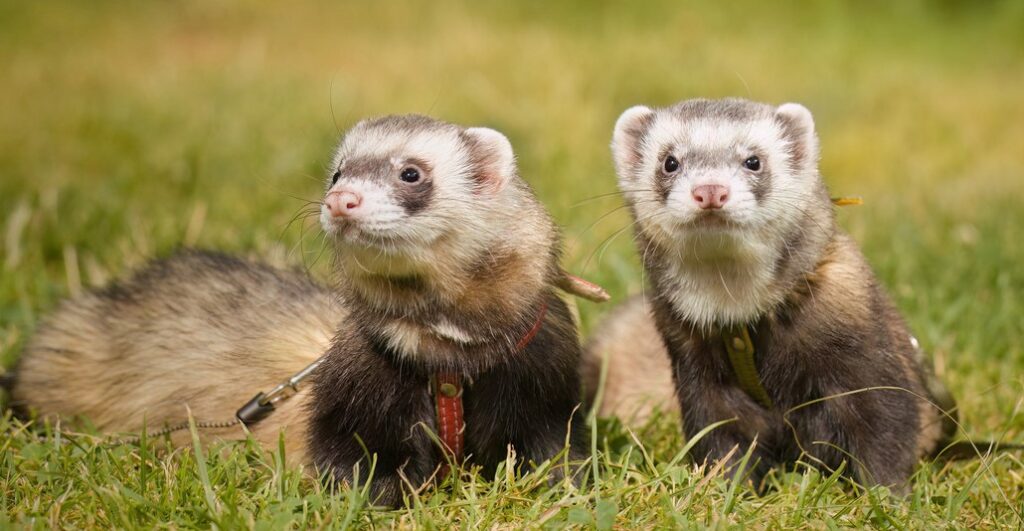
(738, 170)
(400, 185)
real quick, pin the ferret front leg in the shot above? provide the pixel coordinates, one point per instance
(550, 440)
(350, 467)
(534, 411)
(703, 405)
(385, 484)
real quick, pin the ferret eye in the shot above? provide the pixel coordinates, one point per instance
(335, 177)
(410, 175)
(671, 164)
(752, 163)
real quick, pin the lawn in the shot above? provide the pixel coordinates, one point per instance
(130, 129)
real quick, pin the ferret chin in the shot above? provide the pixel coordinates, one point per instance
(736, 232)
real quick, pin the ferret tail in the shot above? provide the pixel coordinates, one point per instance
(964, 450)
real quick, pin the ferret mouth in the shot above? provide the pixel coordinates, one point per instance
(712, 221)
(355, 234)
(347, 232)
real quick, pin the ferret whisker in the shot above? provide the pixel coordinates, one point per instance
(643, 270)
(322, 239)
(616, 193)
(302, 214)
(316, 202)
(607, 241)
(298, 245)
(589, 227)
(600, 218)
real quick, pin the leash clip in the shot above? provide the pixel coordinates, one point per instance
(261, 405)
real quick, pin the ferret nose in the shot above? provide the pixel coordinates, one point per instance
(710, 196)
(341, 203)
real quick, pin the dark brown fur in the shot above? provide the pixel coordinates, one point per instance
(837, 333)
(367, 394)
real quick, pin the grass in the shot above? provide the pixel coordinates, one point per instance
(132, 128)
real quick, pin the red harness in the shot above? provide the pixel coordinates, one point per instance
(451, 426)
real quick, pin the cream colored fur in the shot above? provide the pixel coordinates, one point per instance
(189, 342)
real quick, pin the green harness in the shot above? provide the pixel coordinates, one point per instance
(741, 357)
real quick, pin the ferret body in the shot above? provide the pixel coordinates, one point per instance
(736, 229)
(446, 262)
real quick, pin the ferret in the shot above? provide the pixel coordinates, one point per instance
(451, 262)
(736, 231)
(447, 263)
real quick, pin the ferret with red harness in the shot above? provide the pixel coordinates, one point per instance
(446, 321)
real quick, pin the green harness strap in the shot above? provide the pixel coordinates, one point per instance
(741, 357)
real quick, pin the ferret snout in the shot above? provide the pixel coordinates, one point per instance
(710, 196)
(342, 203)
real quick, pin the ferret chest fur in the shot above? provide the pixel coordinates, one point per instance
(464, 318)
(717, 280)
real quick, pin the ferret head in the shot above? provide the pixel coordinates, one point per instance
(706, 166)
(727, 185)
(408, 196)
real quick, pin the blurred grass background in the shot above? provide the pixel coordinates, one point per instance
(131, 128)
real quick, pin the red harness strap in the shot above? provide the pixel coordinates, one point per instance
(533, 330)
(451, 426)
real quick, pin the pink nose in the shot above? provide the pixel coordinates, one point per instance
(342, 203)
(710, 196)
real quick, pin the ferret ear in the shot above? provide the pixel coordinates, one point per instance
(798, 127)
(629, 129)
(493, 157)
